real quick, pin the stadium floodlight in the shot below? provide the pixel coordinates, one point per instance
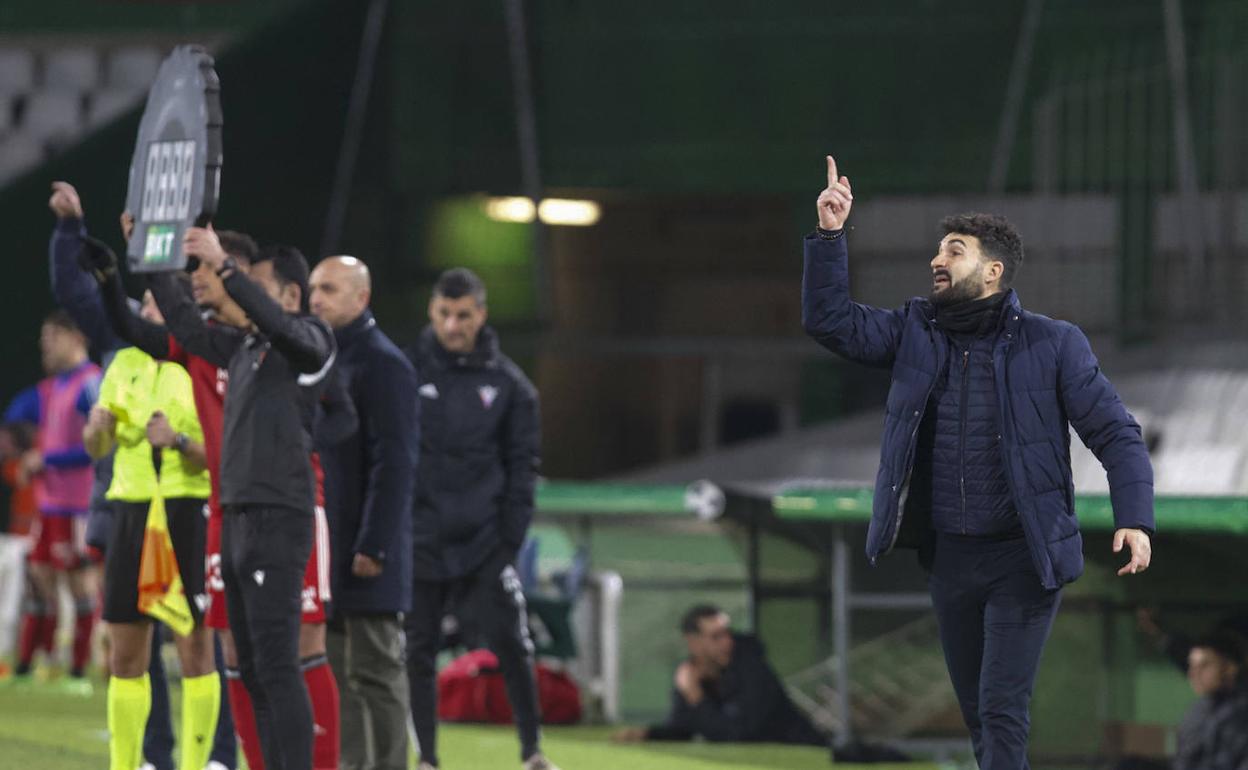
(552, 211)
(560, 211)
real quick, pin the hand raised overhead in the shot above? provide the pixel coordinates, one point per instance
(64, 201)
(836, 200)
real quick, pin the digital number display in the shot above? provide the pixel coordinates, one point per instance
(167, 180)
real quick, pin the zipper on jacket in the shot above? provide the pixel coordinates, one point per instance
(901, 491)
(900, 497)
(905, 484)
(1003, 405)
(966, 359)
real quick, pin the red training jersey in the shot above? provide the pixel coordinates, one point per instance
(208, 385)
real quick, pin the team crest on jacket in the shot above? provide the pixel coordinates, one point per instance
(488, 393)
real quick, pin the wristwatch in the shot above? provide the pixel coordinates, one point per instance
(180, 441)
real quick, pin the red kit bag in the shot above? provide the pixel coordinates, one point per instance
(471, 689)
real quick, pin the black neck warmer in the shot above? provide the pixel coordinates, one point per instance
(972, 316)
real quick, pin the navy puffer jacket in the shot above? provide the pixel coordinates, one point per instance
(959, 470)
(1046, 379)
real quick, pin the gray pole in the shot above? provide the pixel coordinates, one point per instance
(1184, 148)
(1019, 70)
(840, 629)
(526, 132)
(353, 130)
(712, 395)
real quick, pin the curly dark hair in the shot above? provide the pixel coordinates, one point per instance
(997, 238)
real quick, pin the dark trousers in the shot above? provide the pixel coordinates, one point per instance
(491, 601)
(158, 737)
(264, 552)
(994, 618)
(366, 653)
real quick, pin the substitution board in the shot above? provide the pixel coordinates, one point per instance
(175, 173)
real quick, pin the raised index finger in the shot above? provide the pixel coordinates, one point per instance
(832, 177)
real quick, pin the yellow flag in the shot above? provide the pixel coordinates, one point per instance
(161, 594)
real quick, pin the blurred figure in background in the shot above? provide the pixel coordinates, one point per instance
(726, 691)
(61, 471)
(1214, 733)
(15, 440)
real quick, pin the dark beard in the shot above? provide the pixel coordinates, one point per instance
(966, 289)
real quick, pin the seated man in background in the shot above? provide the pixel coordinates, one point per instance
(1214, 732)
(726, 691)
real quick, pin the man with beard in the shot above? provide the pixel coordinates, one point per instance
(975, 459)
(479, 449)
(726, 691)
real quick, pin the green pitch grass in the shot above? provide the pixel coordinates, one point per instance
(45, 730)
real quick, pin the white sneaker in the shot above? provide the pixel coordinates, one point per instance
(147, 766)
(426, 766)
(539, 762)
(215, 765)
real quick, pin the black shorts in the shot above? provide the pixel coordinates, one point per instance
(187, 528)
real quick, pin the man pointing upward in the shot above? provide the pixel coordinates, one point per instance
(975, 458)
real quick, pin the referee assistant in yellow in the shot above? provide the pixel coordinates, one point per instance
(146, 411)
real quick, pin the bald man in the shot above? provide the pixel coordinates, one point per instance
(370, 482)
